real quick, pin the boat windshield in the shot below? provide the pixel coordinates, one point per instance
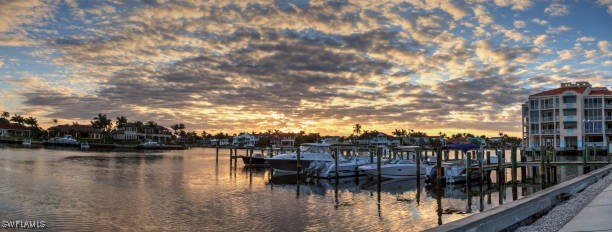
(314, 149)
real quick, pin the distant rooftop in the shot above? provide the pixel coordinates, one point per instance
(578, 87)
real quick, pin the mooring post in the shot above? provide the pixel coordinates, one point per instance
(378, 161)
(446, 155)
(371, 155)
(438, 167)
(426, 154)
(250, 157)
(513, 158)
(489, 157)
(523, 169)
(417, 159)
(468, 168)
(456, 154)
(498, 169)
(299, 162)
(217, 152)
(336, 163)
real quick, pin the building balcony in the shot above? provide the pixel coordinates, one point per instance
(550, 119)
(608, 106)
(569, 118)
(594, 131)
(549, 106)
(550, 132)
(593, 106)
(594, 144)
(534, 132)
(609, 131)
(608, 118)
(569, 105)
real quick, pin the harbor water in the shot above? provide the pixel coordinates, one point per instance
(188, 190)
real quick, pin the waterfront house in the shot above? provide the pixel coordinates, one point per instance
(570, 117)
(283, 140)
(379, 139)
(244, 140)
(14, 130)
(422, 140)
(134, 132)
(76, 131)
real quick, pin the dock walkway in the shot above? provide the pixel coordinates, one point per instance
(595, 216)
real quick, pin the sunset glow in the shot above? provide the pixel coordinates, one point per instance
(314, 66)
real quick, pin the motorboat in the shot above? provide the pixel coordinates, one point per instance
(347, 168)
(150, 144)
(27, 142)
(66, 140)
(398, 168)
(395, 169)
(255, 159)
(313, 156)
(453, 171)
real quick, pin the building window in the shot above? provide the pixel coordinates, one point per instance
(533, 104)
(592, 102)
(569, 99)
(592, 114)
(569, 125)
(569, 112)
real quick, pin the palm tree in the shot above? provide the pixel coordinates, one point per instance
(357, 128)
(55, 121)
(31, 121)
(18, 119)
(121, 122)
(5, 115)
(102, 123)
(152, 124)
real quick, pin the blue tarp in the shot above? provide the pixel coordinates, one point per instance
(462, 146)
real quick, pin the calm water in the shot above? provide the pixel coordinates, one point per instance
(189, 191)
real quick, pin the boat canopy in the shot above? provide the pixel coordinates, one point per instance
(462, 146)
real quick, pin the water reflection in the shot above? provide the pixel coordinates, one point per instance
(192, 190)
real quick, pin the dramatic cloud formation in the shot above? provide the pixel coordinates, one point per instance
(318, 66)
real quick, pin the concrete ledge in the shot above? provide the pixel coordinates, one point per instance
(508, 215)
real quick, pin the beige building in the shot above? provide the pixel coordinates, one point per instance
(570, 117)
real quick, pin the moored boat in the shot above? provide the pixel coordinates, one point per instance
(312, 156)
(66, 140)
(256, 159)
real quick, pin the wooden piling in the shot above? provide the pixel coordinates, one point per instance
(456, 154)
(513, 158)
(446, 155)
(371, 155)
(489, 157)
(336, 163)
(299, 162)
(438, 167)
(468, 173)
(250, 157)
(417, 159)
(499, 167)
(217, 152)
(523, 169)
(378, 161)
(481, 168)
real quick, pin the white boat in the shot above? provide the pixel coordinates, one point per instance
(395, 169)
(66, 140)
(312, 156)
(85, 146)
(27, 142)
(347, 168)
(454, 171)
(148, 144)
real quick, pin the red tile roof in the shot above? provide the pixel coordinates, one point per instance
(601, 92)
(560, 91)
(13, 126)
(75, 128)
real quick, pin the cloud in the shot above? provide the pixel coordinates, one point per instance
(557, 30)
(557, 9)
(585, 39)
(539, 21)
(604, 46)
(516, 4)
(607, 4)
(15, 14)
(540, 40)
(519, 24)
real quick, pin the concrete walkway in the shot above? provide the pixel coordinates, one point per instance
(596, 216)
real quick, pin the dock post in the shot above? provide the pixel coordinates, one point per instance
(513, 158)
(378, 161)
(371, 155)
(336, 163)
(217, 153)
(250, 157)
(417, 159)
(481, 167)
(299, 162)
(523, 169)
(468, 173)
(489, 157)
(499, 166)
(446, 155)
(426, 154)
(585, 155)
(456, 154)
(438, 168)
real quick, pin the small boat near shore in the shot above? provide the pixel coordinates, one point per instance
(257, 159)
(66, 140)
(27, 142)
(150, 144)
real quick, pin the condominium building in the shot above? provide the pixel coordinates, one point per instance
(571, 117)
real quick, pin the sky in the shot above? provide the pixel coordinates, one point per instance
(316, 66)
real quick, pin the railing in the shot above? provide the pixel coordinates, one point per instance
(550, 131)
(595, 130)
(535, 132)
(609, 131)
(548, 106)
(608, 106)
(608, 118)
(569, 118)
(550, 119)
(597, 106)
